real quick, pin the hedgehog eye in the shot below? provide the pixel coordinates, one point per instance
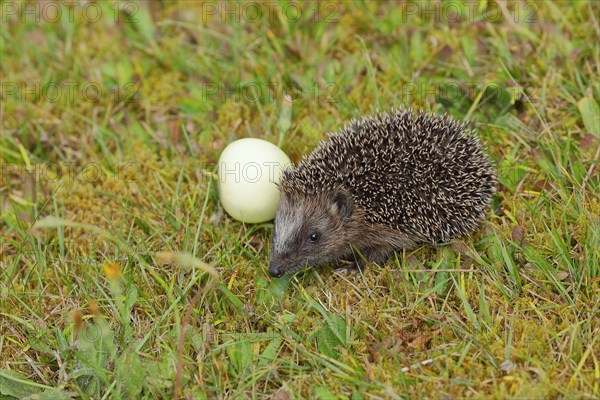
(314, 237)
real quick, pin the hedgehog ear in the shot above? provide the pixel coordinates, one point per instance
(341, 203)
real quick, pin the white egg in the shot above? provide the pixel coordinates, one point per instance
(248, 172)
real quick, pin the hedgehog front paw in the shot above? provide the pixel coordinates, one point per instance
(379, 257)
(348, 267)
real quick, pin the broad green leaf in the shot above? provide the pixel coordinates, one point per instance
(469, 46)
(130, 375)
(591, 115)
(237, 303)
(142, 20)
(240, 354)
(50, 394)
(270, 351)
(327, 342)
(416, 47)
(17, 385)
(322, 393)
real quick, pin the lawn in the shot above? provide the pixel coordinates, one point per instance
(122, 277)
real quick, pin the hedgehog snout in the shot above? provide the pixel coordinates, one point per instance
(275, 270)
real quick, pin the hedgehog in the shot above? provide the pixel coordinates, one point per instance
(389, 182)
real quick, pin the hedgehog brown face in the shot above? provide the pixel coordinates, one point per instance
(309, 231)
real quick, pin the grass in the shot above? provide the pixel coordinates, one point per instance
(122, 277)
